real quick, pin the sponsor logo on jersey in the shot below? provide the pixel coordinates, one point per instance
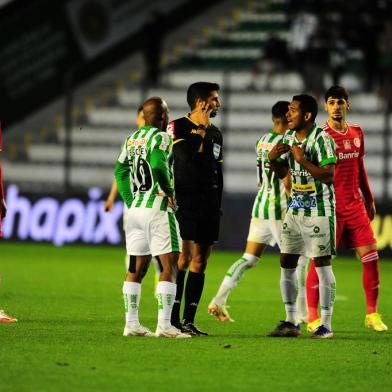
(316, 229)
(135, 143)
(170, 129)
(347, 144)
(305, 202)
(216, 150)
(303, 187)
(328, 145)
(301, 173)
(357, 142)
(348, 155)
(265, 146)
(321, 247)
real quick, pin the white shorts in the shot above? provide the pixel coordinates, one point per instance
(151, 231)
(125, 217)
(310, 236)
(265, 231)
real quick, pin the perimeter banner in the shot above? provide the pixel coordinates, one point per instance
(80, 218)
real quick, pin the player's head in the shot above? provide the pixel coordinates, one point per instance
(156, 112)
(302, 111)
(140, 117)
(279, 111)
(336, 103)
(204, 91)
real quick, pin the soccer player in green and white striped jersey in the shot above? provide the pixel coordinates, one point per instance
(145, 181)
(269, 209)
(109, 203)
(309, 225)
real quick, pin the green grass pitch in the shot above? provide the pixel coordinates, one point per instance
(69, 335)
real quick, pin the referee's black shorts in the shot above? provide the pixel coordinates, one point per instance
(198, 216)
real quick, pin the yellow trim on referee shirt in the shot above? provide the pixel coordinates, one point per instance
(178, 140)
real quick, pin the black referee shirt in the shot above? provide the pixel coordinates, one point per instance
(197, 160)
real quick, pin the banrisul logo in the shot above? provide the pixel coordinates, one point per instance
(61, 222)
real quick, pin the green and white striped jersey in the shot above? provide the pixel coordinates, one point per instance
(309, 196)
(271, 200)
(143, 169)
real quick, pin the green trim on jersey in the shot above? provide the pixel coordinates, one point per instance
(173, 233)
(144, 169)
(311, 197)
(271, 199)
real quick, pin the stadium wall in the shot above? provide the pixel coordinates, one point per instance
(80, 218)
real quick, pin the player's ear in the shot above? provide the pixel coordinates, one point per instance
(307, 116)
(348, 105)
(325, 106)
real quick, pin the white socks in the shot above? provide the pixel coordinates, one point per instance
(233, 276)
(302, 308)
(288, 288)
(327, 289)
(132, 294)
(166, 293)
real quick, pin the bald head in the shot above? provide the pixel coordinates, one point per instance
(156, 112)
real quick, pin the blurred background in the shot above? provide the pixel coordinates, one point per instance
(73, 73)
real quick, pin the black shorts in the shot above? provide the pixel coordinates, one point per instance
(198, 216)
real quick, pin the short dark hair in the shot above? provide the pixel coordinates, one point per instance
(336, 92)
(280, 109)
(139, 109)
(200, 90)
(308, 104)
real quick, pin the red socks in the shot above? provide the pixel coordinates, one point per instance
(371, 279)
(312, 292)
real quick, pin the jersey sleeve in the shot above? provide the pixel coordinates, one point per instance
(159, 161)
(284, 158)
(122, 176)
(362, 151)
(185, 144)
(219, 170)
(363, 178)
(326, 149)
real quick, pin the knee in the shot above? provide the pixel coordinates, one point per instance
(198, 264)
(184, 260)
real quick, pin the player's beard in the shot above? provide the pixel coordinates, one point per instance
(337, 118)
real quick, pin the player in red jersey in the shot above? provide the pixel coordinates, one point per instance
(354, 208)
(4, 318)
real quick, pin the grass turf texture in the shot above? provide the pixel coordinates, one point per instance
(69, 336)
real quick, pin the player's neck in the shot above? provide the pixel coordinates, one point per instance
(337, 125)
(301, 134)
(280, 127)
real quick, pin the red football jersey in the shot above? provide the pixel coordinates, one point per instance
(350, 151)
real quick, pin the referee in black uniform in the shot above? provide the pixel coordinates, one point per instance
(198, 183)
